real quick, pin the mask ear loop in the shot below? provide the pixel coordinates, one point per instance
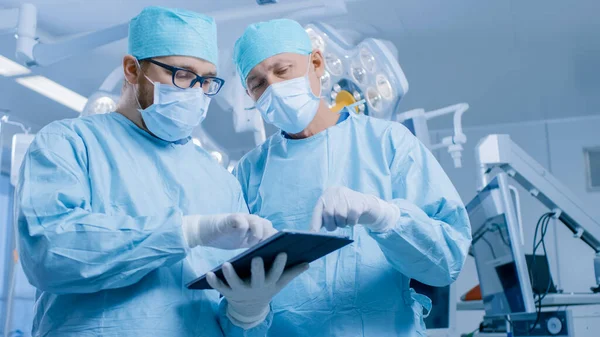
(135, 90)
(139, 66)
(308, 79)
(137, 99)
(350, 108)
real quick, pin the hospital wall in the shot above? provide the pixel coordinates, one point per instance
(558, 145)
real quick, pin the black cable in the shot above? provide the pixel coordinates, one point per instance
(544, 221)
(501, 235)
(549, 286)
(542, 228)
(537, 226)
(479, 234)
(474, 331)
(490, 245)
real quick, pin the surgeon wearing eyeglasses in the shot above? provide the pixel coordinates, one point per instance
(117, 212)
(363, 177)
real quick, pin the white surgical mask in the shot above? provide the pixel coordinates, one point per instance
(289, 105)
(175, 112)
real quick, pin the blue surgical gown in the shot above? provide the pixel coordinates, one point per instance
(362, 289)
(100, 215)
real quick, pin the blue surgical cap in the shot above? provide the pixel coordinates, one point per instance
(265, 39)
(161, 31)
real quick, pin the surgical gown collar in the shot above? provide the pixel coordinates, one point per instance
(343, 118)
(145, 133)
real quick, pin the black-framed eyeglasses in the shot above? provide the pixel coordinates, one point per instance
(184, 79)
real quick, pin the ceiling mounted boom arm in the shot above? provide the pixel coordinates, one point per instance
(33, 52)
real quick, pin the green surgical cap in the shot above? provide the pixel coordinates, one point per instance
(161, 31)
(265, 39)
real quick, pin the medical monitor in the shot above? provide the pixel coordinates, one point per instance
(498, 250)
(441, 321)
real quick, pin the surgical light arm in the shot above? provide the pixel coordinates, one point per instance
(6, 120)
(499, 152)
(454, 143)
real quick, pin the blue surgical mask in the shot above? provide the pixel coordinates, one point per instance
(289, 105)
(175, 112)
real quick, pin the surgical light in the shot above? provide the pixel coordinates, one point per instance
(217, 156)
(54, 91)
(354, 68)
(10, 68)
(359, 74)
(316, 39)
(202, 139)
(384, 87)
(325, 80)
(367, 60)
(374, 99)
(211, 148)
(361, 108)
(100, 103)
(343, 99)
(104, 105)
(334, 64)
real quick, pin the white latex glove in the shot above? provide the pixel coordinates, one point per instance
(226, 231)
(248, 300)
(341, 207)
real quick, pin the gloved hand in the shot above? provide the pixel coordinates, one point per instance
(226, 231)
(248, 300)
(341, 207)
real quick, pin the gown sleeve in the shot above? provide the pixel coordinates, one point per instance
(430, 241)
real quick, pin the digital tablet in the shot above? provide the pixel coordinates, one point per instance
(300, 247)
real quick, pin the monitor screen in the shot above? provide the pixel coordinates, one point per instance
(439, 318)
(507, 273)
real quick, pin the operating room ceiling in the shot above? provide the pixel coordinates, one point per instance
(510, 60)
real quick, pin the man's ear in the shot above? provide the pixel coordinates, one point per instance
(318, 61)
(131, 69)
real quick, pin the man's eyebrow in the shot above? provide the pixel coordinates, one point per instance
(251, 78)
(269, 68)
(193, 69)
(184, 66)
(280, 63)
